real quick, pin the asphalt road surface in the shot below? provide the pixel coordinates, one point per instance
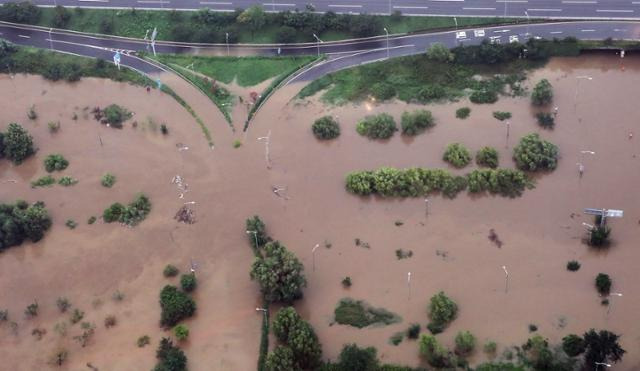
(580, 9)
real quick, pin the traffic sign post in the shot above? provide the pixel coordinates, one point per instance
(116, 59)
(605, 213)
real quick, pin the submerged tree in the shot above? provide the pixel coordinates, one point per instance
(279, 274)
(601, 347)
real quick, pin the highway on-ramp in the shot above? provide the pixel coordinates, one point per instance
(576, 9)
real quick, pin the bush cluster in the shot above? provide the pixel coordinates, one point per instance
(542, 93)
(299, 346)
(170, 357)
(415, 122)
(132, 214)
(21, 221)
(176, 306)
(545, 120)
(457, 155)
(116, 115)
(16, 144)
(463, 113)
(483, 96)
(108, 180)
(505, 182)
(188, 282)
(279, 273)
(603, 283)
(442, 309)
(326, 128)
(55, 162)
(380, 126)
(487, 156)
(501, 115)
(533, 153)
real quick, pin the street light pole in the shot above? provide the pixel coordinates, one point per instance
(505, 8)
(318, 41)
(528, 22)
(455, 20)
(387, 32)
(255, 235)
(409, 283)
(602, 364)
(508, 124)
(611, 302)
(226, 35)
(506, 279)
(313, 256)
(50, 39)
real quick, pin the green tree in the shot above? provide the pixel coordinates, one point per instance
(457, 155)
(599, 236)
(181, 332)
(17, 143)
(326, 128)
(279, 274)
(415, 122)
(533, 153)
(353, 358)
(603, 283)
(61, 17)
(380, 126)
(286, 35)
(542, 93)
(440, 53)
(55, 162)
(188, 282)
(254, 17)
(601, 347)
(433, 352)
(175, 305)
(291, 330)
(465, 343)
(487, 156)
(170, 357)
(281, 359)
(442, 310)
(256, 232)
(573, 345)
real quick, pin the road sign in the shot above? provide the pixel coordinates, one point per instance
(607, 213)
(116, 59)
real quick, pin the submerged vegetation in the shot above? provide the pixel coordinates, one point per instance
(131, 214)
(22, 221)
(359, 314)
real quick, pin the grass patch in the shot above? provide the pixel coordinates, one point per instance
(358, 313)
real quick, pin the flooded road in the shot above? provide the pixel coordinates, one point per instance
(540, 231)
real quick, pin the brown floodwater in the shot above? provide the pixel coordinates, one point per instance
(540, 231)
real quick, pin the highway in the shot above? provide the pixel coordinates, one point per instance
(559, 9)
(340, 54)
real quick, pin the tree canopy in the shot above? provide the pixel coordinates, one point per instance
(22, 221)
(279, 274)
(17, 144)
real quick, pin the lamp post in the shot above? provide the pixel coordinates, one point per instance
(409, 283)
(581, 163)
(575, 98)
(50, 39)
(426, 207)
(226, 35)
(611, 302)
(387, 32)
(263, 310)
(528, 22)
(455, 20)
(313, 256)
(506, 279)
(255, 234)
(508, 127)
(505, 8)
(601, 364)
(318, 41)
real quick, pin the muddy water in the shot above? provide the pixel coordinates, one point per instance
(538, 233)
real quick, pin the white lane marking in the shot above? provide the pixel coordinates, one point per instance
(544, 10)
(93, 1)
(276, 4)
(614, 11)
(153, 1)
(214, 3)
(614, 30)
(496, 31)
(344, 6)
(478, 8)
(410, 7)
(452, 1)
(579, 2)
(588, 30)
(25, 36)
(511, 1)
(554, 32)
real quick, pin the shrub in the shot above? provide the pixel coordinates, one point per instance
(116, 115)
(91, 220)
(346, 282)
(76, 316)
(32, 114)
(573, 345)
(143, 340)
(256, 232)
(463, 113)
(181, 332)
(164, 129)
(58, 358)
(280, 359)
(108, 180)
(170, 271)
(436, 328)
(67, 181)
(22, 221)
(354, 358)
(20, 12)
(483, 96)
(170, 357)
(534, 153)
(132, 214)
(383, 91)
(286, 35)
(237, 143)
(188, 282)
(31, 310)
(298, 335)
(380, 126)
(457, 155)
(442, 310)
(487, 156)
(396, 338)
(4, 315)
(435, 354)
(431, 92)
(599, 236)
(413, 331)
(546, 120)
(110, 321)
(44, 181)
(17, 143)
(542, 93)
(61, 17)
(532, 327)
(501, 115)
(573, 266)
(326, 128)
(53, 126)
(63, 304)
(175, 305)
(490, 347)
(415, 122)
(603, 283)
(279, 273)
(440, 53)
(113, 213)
(465, 343)
(359, 314)
(71, 223)
(602, 347)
